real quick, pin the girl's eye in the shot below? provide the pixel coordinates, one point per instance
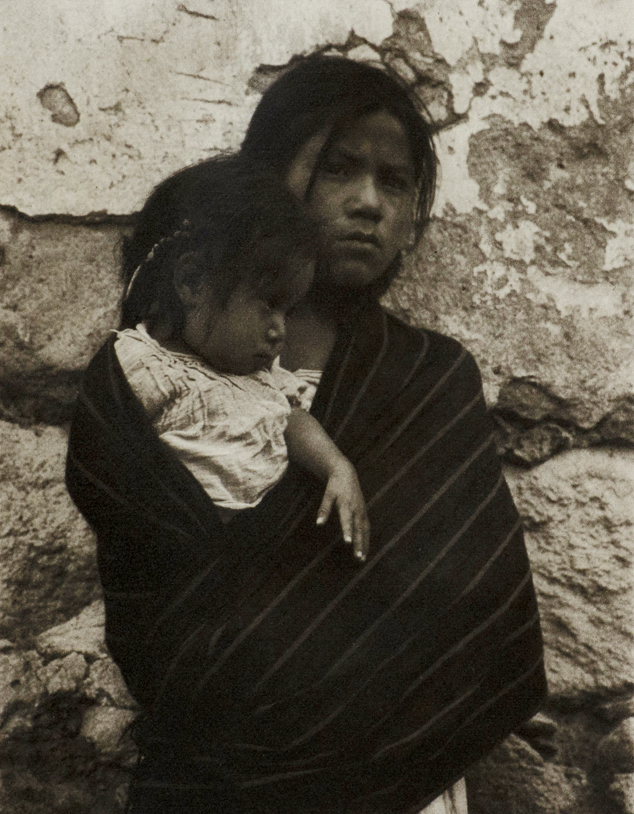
(273, 304)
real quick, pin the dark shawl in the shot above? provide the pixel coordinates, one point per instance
(277, 673)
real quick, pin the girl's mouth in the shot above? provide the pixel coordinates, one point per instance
(264, 359)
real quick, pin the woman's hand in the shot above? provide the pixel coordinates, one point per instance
(343, 490)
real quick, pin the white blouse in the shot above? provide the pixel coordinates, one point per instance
(227, 429)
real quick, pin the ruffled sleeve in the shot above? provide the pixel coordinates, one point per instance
(298, 387)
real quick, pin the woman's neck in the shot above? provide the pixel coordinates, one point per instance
(311, 332)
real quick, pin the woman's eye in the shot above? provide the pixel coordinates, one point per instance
(335, 167)
(396, 182)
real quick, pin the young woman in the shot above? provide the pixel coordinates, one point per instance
(276, 673)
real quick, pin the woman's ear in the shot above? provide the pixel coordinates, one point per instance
(188, 280)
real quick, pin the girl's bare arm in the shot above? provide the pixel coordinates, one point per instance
(310, 446)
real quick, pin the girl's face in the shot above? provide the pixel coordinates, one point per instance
(246, 334)
(363, 196)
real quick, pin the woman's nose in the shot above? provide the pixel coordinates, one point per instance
(366, 199)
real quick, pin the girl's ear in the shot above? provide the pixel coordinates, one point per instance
(188, 280)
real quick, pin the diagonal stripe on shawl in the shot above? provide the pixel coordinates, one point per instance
(277, 674)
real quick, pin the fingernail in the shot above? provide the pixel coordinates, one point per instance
(321, 521)
(360, 555)
(347, 538)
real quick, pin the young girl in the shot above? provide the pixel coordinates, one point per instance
(203, 324)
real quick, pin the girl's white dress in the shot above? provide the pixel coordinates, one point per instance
(228, 430)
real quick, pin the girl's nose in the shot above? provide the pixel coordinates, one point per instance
(277, 329)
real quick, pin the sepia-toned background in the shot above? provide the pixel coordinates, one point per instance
(528, 261)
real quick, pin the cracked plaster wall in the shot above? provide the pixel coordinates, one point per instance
(528, 261)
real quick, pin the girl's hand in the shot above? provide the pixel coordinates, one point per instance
(342, 489)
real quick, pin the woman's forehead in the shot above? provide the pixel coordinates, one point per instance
(380, 128)
(379, 135)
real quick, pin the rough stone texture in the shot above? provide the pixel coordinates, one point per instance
(536, 204)
(617, 710)
(578, 510)
(516, 773)
(622, 791)
(64, 719)
(59, 296)
(47, 558)
(59, 752)
(528, 261)
(81, 634)
(616, 750)
(562, 769)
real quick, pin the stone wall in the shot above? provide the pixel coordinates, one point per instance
(528, 261)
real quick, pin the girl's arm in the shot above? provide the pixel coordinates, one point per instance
(310, 446)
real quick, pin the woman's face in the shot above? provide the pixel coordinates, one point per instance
(363, 196)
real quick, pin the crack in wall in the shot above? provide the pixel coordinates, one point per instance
(203, 78)
(407, 53)
(46, 397)
(192, 13)
(89, 219)
(534, 424)
(529, 444)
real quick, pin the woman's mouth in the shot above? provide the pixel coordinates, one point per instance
(360, 242)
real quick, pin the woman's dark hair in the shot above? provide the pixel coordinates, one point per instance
(320, 91)
(226, 220)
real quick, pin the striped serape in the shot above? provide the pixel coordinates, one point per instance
(277, 674)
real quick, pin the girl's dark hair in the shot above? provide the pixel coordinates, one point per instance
(320, 91)
(227, 220)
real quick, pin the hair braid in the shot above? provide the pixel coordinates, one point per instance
(153, 280)
(159, 248)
